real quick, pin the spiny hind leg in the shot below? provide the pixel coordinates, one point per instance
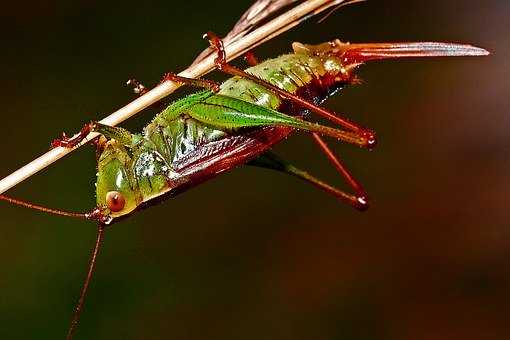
(222, 65)
(270, 161)
(228, 113)
(123, 136)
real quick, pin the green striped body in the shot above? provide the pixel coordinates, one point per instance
(175, 135)
(151, 162)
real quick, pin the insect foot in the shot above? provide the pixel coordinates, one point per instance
(362, 203)
(138, 88)
(71, 142)
(371, 139)
(217, 44)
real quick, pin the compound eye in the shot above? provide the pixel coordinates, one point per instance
(115, 201)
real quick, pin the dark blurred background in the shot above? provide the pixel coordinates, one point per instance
(255, 254)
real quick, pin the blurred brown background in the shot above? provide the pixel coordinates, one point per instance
(254, 254)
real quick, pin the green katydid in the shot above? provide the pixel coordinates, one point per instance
(235, 123)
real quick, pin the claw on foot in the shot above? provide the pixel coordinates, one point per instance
(71, 142)
(362, 203)
(217, 44)
(251, 58)
(138, 88)
(371, 139)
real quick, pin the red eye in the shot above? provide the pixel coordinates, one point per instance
(115, 201)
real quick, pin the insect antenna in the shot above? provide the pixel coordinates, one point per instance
(86, 283)
(86, 216)
(337, 7)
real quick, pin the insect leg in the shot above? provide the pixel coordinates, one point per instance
(202, 83)
(362, 197)
(251, 58)
(71, 142)
(123, 136)
(270, 161)
(223, 66)
(226, 113)
(88, 278)
(140, 89)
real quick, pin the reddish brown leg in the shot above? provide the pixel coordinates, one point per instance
(71, 142)
(222, 65)
(202, 83)
(251, 58)
(86, 283)
(100, 143)
(360, 200)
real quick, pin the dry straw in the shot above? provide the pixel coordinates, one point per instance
(242, 39)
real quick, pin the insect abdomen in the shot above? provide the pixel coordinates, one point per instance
(175, 135)
(290, 72)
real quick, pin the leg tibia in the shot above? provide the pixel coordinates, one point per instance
(273, 162)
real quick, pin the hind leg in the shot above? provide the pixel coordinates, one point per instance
(270, 161)
(223, 66)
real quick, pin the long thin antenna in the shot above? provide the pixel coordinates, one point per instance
(235, 49)
(88, 278)
(85, 216)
